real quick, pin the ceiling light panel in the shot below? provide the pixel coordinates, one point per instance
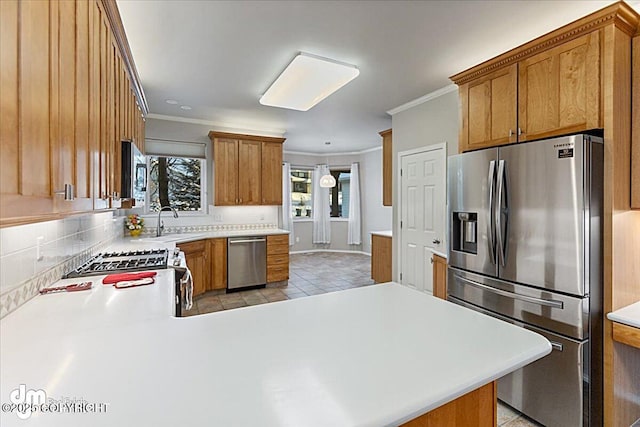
(307, 80)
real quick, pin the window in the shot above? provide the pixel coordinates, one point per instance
(301, 193)
(176, 182)
(339, 195)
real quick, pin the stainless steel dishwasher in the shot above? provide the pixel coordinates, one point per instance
(247, 262)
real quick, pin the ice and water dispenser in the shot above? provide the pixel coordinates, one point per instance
(465, 232)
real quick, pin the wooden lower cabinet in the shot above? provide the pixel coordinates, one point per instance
(439, 276)
(477, 408)
(635, 126)
(218, 264)
(196, 257)
(277, 258)
(626, 334)
(381, 249)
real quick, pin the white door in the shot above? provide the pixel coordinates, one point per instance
(423, 213)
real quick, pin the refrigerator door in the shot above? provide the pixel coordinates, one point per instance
(471, 191)
(541, 211)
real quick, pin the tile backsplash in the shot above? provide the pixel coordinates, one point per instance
(33, 256)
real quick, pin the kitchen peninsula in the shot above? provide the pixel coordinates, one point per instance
(361, 357)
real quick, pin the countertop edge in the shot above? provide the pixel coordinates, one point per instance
(628, 315)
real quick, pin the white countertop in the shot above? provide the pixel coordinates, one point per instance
(629, 315)
(439, 253)
(199, 235)
(370, 356)
(384, 233)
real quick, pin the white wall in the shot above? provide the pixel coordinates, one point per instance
(432, 122)
(375, 217)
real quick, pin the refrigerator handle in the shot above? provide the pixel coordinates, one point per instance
(502, 199)
(491, 231)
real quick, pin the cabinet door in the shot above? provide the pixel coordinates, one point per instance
(218, 263)
(277, 258)
(559, 89)
(439, 277)
(249, 172)
(381, 258)
(635, 123)
(271, 173)
(195, 254)
(225, 164)
(489, 110)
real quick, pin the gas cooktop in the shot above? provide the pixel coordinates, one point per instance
(122, 262)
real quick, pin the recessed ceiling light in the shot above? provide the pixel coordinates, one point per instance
(307, 80)
(171, 101)
(185, 107)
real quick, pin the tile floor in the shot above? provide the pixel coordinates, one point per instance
(309, 274)
(509, 417)
(319, 273)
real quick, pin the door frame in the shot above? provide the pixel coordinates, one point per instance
(401, 154)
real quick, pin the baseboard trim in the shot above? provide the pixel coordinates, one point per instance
(330, 250)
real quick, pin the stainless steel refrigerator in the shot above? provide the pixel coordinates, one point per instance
(525, 226)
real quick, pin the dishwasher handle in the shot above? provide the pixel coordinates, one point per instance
(234, 241)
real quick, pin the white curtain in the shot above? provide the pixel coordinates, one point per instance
(355, 220)
(320, 212)
(287, 211)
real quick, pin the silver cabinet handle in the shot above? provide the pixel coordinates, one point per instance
(556, 345)
(510, 132)
(233, 242)
(491, 224)
(534, 300)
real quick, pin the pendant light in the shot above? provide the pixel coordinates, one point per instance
(327, 181)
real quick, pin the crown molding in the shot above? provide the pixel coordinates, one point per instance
(220, 127)
(345, 153)
(423, 99)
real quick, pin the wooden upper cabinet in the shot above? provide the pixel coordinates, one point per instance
(225, 152)
(559, 89)
(247, 169)
(489, 107)
(249, 172)
(635, 126)
(387, 167)
(271, 173)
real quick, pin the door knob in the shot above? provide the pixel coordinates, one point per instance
(436, 241)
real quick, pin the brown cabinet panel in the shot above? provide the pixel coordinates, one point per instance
(635, 126)
(381, 258)
(218, 263)
(271, 185)
(82, 176)
(278, 244)
(277, 273)
(559, 89)
(489, 110)
(439, 276)
(249, 172)
(196, 256)
(387, 167)
(225, 152)
(9, 119)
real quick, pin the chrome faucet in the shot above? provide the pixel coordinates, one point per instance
(160, 222)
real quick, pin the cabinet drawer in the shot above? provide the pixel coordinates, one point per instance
(277, 273)
(278, 244)
(277, 259)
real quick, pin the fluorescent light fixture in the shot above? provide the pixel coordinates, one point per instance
(307, 80)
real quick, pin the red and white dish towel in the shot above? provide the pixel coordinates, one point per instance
(129, 280)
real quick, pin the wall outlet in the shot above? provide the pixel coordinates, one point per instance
(217, 217)
(297, 239)
(39, 242)
(105, 225)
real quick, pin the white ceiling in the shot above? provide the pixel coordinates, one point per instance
(219, 57)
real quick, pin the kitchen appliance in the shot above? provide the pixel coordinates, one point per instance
(121, 262)
(525, 231)
(133, 174)
(247, 262)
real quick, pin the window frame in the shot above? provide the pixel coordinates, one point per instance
(302, 169)
(203, 186)
(340, 169)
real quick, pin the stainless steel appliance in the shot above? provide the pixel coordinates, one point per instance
(525, 224)
(133, 174)
(247, 262)
(122, 262)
